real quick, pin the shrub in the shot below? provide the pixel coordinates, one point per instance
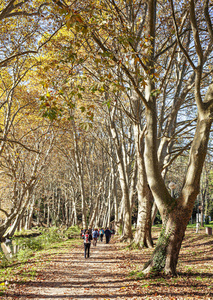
(24, 254)
(72, 231)
(4, 262)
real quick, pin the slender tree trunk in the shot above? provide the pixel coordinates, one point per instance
(127, 226)
(95, 211)
(29, 216)
(80, 176)
(38, 211)
(48, 214)
(20, 214)
(145, 199)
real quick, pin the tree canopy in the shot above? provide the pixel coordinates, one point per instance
(103, 103)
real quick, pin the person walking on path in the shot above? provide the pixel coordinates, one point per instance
(82, 233)
(112, 232)
(101, 234)
(95, 235)
(107, 233)
(87, 243)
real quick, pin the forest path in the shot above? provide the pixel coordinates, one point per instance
(63, 273)
(71, 276)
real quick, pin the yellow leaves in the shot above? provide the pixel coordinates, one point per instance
(48, 94)
(73, 18)
(136, 59)
(109, 76)
(156, 75)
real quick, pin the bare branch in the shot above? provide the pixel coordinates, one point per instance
(175, 156)
(123, 67)
(198, 47)
(4, 211)
(19, 143)
(5, 62)
(208, 19)
(24, 13)
(178, 37)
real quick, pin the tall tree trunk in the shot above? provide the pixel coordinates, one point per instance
(176, 213)
(145, 199)
(95, 211)
(80, 176)
(127, 226)
(48, 214)
(29, 216)
(38, 211)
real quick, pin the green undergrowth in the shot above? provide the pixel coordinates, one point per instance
(210, 224)
(72, 232)
(30, 232)
(34, 252)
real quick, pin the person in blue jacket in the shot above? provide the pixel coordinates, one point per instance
(107, 233)
(95, 236)
(101, 234)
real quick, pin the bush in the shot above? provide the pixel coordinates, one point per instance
(34, 244)
(24, 254)
(4, 262)
(49, 236)
(72, 231)
(52, 235)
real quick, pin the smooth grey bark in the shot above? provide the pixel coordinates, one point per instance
(95, 211)
(176, 213)
(20, 214)
(80, 177)
(145, 200)
(29, 216)
(127, 229)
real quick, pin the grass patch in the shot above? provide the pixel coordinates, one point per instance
(35, 253)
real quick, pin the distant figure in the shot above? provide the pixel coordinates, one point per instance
(95, 236)
(112, 232)
(101, 234)
(87, 243)
(107, 233)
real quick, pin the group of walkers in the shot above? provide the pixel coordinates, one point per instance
(93, 235)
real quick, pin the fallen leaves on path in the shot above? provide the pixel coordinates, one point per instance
(105, 275)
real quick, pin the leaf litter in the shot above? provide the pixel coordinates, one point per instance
(106, 274)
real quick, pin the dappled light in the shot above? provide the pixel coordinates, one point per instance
(108, 273)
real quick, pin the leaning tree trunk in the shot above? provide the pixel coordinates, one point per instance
(176, 213)
(165, 255)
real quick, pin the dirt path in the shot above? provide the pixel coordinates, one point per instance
(71, 276)
(105, 276)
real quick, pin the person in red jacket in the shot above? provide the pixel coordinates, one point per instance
(87, 243)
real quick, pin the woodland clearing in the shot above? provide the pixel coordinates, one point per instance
(111, 272)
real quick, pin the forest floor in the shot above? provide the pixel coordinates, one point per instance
(63, 273)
